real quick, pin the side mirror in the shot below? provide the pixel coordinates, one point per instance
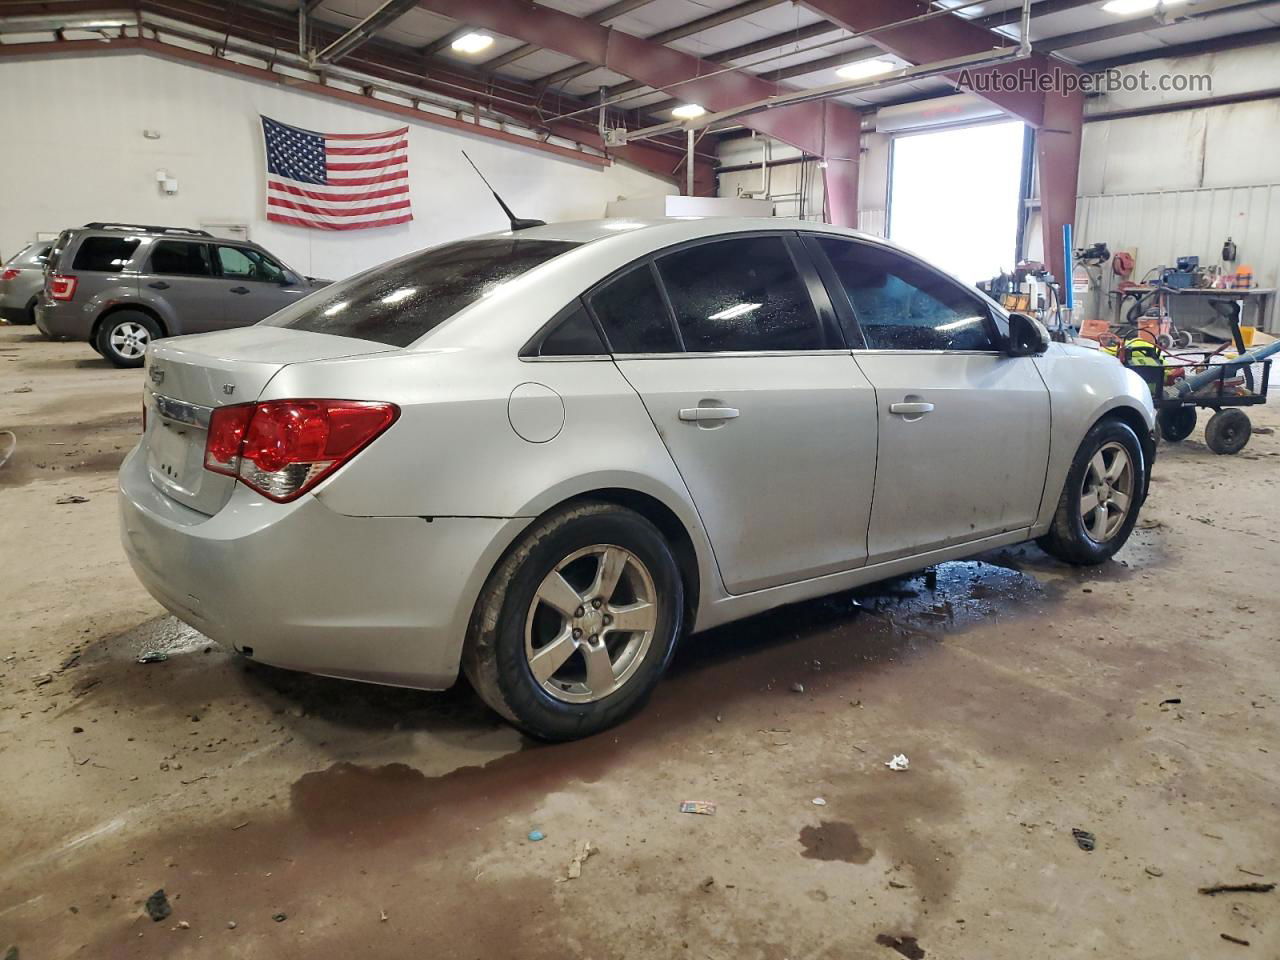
(1027, 336)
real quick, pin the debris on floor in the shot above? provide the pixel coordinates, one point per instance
(704, 807)
(153, 656)
(581, 857)
(157, 906)
(1084, 839)
(797, 687)
(706, 885)
(536, 835)
(279, 917)
(1218, 888)
(898, 761)
(61, 501)
(819, 802)
(907, 946)
(1154, 871)
(1230, 939)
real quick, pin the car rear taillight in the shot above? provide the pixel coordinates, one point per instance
(283, 448)
(10, 274)
(62, 288)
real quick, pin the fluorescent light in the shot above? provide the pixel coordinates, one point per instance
(688, 111)
(737, 310)
(1123, 8)
(472, 42)
(863, 69)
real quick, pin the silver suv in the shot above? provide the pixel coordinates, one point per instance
(20, 282)
(120, 286)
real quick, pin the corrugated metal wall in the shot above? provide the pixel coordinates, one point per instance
(1162, 225)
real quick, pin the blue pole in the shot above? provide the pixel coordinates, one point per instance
(1068, 295)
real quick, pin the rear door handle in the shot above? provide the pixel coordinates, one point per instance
(911, 408)
(159, 285)
(240, 290)
(697, 414)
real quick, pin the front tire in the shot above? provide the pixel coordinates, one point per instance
(1101, 497)
(123, 337)
(577, 623)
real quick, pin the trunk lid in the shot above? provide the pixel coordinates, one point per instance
(189, 377)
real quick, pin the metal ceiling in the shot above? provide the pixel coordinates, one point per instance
(778, 38)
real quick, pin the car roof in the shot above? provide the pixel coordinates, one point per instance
(664, 231)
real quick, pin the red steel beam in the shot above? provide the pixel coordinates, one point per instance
(811, 127)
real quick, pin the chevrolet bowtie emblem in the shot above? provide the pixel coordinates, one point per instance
(157, 375)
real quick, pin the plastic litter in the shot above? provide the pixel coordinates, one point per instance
(153, 656)
(898, 761)
(536, 835)
(704, 807)
(819, 801)
(575, 865)
(157, 906)
(1084, 839)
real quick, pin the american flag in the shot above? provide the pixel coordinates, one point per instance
(336, 181)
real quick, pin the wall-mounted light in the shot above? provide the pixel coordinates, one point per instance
(864, 69)
(689, 111)
(472, 42)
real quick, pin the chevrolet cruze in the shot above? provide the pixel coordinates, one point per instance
(543, 456)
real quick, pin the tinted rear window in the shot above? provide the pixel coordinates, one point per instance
(399, 302)
(104, 254)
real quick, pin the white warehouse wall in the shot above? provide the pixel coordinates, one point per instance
(75, 152)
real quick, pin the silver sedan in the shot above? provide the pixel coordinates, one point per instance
(544, 456)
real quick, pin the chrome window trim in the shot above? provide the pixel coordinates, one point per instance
(180, 411)
(727, 354)
(568, 358)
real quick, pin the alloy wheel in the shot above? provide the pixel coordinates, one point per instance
(591, 623)
(1107, 493)
(130, 339)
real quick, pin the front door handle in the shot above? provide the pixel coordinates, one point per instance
(911, 408)
(159, 285)
(240, 290)
(698, 414)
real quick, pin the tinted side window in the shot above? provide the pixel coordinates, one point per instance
(634, 315)
(741, 294)
(104, 254)
(901, 305)
(574, 336)
(398, 302)
(246, 264)
(180, 257)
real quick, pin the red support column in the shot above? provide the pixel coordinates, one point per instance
(1058, 158)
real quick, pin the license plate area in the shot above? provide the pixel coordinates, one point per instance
(169, 454)
(175, 439)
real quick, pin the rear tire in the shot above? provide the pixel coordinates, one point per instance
(1176, 424)
(1101, 497)
(123, 337)
(1228, 431)
(543, 653)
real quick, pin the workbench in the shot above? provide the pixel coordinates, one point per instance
(1255, 304)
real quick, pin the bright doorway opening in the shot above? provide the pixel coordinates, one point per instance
(954, 197)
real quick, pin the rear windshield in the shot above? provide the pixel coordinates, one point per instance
(30, 254)
(105, 254)
(399, 302)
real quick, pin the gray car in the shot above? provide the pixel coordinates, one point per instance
(544, 456)
(21, 282)
(119, 287)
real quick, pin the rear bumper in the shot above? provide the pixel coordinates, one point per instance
(380, 599)
(63, 321)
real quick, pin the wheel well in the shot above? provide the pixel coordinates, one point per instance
(97, 324)
(1131, 418)
(668, 524)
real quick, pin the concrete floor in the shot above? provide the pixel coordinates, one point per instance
(1029, 697)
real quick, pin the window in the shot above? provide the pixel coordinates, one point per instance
(401, 301)
(573, 334)
(244, 263)
(902, 305)
(104, 254)
(182, 258)
(633, 314)
(742, 294)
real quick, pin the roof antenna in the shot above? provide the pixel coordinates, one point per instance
(517, 223)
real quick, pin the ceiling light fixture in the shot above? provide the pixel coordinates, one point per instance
(1122, 8)
(472, 42)
(688, 111)
(862, 69)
